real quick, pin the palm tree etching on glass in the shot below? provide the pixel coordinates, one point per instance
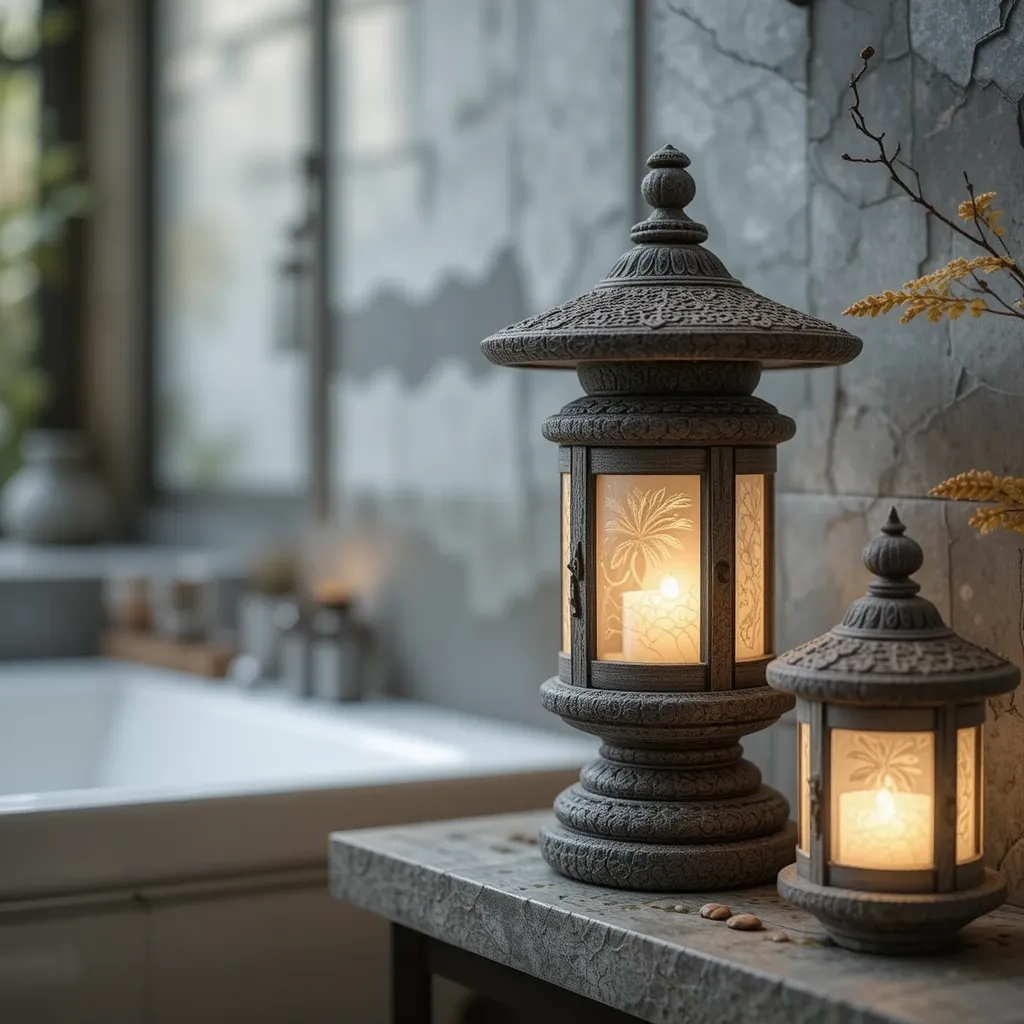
(883, 793)
(888, 760)
(750, 638)
(649, 569)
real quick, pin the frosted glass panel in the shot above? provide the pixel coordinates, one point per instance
(883, 796)
(566, 557)
(750, 567)
(232, 114)
(804, 775)
(648, 555)
(968, 743)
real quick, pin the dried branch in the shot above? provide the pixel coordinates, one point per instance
(892, 162)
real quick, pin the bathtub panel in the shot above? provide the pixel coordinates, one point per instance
(293, 955)
(79, 969)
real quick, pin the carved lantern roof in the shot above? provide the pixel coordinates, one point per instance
(669, 298)
(892, 646)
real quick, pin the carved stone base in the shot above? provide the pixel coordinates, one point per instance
(892, 923)
(670, 804)
(667, 867)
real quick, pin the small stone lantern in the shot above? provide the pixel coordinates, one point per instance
(667, 470)
(890, 715)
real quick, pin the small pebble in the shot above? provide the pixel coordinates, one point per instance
(715, 911)
(777, 937)
(744, 922)
(679, 908)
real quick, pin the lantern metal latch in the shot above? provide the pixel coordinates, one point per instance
(575, 568)
(817, 803)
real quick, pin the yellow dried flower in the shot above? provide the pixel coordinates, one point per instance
(976, 485)
(930, 294)
(980, 485)
(978, 210)
(968, 209)
(1003, 517)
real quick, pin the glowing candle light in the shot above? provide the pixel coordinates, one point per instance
(885, 829)
(658, 625)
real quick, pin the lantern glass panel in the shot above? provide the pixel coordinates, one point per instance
(883, 799)
(566, 558)
(649, 569)
(803, 732)
(968, 814)
(750, 567)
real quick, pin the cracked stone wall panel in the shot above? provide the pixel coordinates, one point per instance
(974, 130)
(973, 428)
(986, 608)
(839, 31)
(977, 131)
(861, 252)
(990, 352)
(947, 33)
(727, 87)
(819, 571)
(884, 92)
(998, 57)
(573, 129)
(754, 34)
(808, 396)
(904, 373)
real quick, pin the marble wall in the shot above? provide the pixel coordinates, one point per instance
(501, 186)
(924, 400)
(506, 186)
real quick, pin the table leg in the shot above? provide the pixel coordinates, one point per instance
(410, 977)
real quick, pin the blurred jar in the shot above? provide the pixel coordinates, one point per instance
(180, 608)
(337, 658)
(294, 648)
(126, 602)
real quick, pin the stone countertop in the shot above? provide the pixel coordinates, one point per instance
(482, 885)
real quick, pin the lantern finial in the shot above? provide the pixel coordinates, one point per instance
(893, 557)
(668, 187)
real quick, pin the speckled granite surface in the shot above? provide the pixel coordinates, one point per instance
(481, 884)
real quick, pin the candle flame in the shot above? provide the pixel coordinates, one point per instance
(670, 587)
(885, 803)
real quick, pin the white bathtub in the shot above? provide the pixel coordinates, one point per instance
(152, 824)
(148, 775)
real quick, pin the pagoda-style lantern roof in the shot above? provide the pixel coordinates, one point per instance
(669, 298)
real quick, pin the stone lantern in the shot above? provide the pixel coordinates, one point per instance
(890, 716)
(667, 470)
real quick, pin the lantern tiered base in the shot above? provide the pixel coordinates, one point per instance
(670, 804)
(892, 923)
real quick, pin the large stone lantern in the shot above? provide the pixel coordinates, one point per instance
(667, 546)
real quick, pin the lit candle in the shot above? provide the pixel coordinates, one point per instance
(660, 625)
(885, 829)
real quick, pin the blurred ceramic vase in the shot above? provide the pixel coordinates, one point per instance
(56, 497)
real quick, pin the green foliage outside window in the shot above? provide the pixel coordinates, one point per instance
(41, 191)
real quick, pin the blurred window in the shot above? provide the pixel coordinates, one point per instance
(20, 382)
(232, 133)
